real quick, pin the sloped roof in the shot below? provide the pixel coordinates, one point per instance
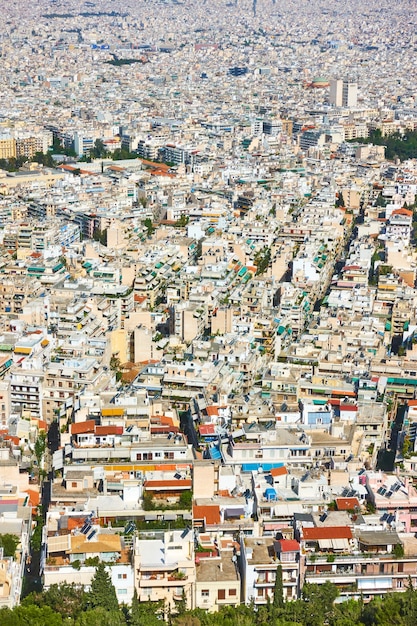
(327, 532)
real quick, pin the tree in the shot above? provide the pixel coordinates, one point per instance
(278, 601)
(182, 221)
(339, 201)
(409, 609)
(40, 447)
(101, 616)
(145, 613)
(101, 236)
(380, 201)
(262, 259)
(181, 605)
(43, 159)
(348, 613)
(33, 615)
(186, 500)
(99, 150)
(102, 592)
(398, 550)
(320, 599)
(9, 544)
(149, 227)
(66, 599)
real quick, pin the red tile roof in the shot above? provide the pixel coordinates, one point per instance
(211, 514)
(83, 427)
(108, 430)
(402, 211)
(207, 429)
(346, 504)
(167, 484)
(279, 471)
(34, 497)
(327, 532)
(289, 545)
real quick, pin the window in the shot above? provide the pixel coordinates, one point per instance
(74, 485)
(169, 455)
(232, 592)
(221, 594)
(122, 592)
(121, 576)
(205, 593)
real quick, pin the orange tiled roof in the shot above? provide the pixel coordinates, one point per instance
(346, 504)
(83, 427)
(279, 471)
(211, 514)
(327, 532)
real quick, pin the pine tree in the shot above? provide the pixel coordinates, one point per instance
(102, 592)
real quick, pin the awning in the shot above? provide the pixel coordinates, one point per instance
(334, 544)
(235, 512)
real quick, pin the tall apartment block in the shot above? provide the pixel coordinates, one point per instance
(343, 93)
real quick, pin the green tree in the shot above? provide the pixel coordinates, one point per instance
(398, 550)
(339, 201)
(181, 605)
(319, 602)
(145, 613)
(182, 221)
(347, 613)
(149, 227)
(186, 500)
(99, 149)
(33, 615)
(9, 544)
(380, 201)
(262, 259)
(40, 447)
(384, 611)
(278, 601)
(101, 236)
(101, 616)
(102, 592)
(409, 608)
(66, 599)
(43, 159)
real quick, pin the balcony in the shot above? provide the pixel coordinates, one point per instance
(161, 580)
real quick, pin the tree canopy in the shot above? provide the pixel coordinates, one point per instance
(69, 605)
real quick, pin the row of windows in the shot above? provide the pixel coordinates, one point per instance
(149, 456)
(221, 593)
